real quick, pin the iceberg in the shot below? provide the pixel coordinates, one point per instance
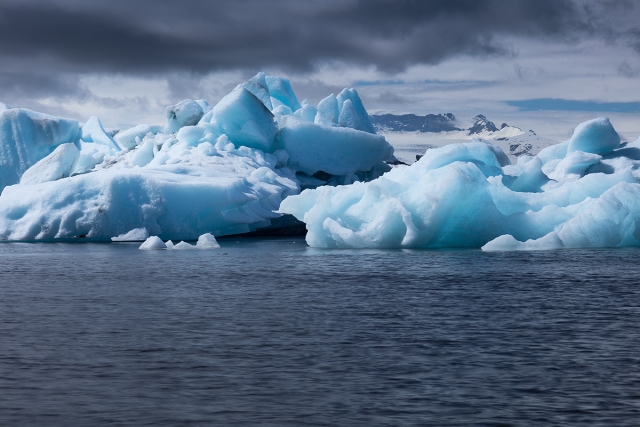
(207, 241)
(153, 243)
(583, 193)
(219, 170)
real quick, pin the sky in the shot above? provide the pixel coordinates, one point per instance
(545, 65)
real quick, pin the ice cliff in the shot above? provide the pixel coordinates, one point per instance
(220, 170)
(582, 193)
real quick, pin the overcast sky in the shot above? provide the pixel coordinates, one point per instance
(542, 64)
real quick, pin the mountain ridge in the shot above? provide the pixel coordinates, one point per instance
(431, 123)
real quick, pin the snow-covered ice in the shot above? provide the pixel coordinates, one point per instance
(221, 170)
(584, 192)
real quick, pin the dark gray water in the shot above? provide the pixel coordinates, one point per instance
(272, 333)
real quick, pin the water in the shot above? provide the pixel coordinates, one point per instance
(273, 333)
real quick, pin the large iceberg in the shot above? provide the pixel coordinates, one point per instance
(582, 193)
(220, 170)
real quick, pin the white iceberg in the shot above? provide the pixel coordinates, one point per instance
(153, 243)
(579, 194)
(221, 170)
(207, 241)
(183, 246)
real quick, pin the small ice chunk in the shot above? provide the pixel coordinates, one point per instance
(135, 235)
(207, 241)
(127, 139)
(307, 112)
(93, 131)
(281, 90)
(245, 120)
(206, 107)
(190, 134)
(352, 96)
(328, 107)
(595, 136)
(184, 246)
(143, 154)
(169, 244)
(349, 117)
(153, 243)
(257, 85)
(184, 113)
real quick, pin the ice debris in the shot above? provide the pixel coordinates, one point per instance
(582, 193)
(153, 243)
(205, 242)
(222, 169)
(135, 235)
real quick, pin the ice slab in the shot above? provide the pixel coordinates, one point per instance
(56, 165)
(130, 138)
(336, 151)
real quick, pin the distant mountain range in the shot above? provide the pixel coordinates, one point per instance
(411, 135)
(434, 123)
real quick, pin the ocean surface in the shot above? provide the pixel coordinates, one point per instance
(270, 332)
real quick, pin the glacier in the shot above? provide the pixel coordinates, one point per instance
(582, 193)
(221, 169)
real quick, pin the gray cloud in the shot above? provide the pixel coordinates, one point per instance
(200, 36)
(626, 70)
(46, 44)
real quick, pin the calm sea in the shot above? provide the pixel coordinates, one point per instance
(269, 332)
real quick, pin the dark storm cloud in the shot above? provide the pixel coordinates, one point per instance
(149, 36)
(46, 44)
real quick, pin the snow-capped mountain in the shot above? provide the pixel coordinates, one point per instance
(412, 135)
(412, 123)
